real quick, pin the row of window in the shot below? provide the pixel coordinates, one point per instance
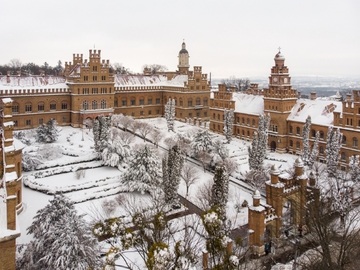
(158, 101)
(28, 122)
(40, 107)
(94, 78)
(94, 105)
(94, 90)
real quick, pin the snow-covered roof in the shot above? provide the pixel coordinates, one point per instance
(144, 80)
(250, 104)
(32, 82)
(7, 100)
(321, 111)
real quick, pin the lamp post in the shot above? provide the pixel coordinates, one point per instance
(82, 124)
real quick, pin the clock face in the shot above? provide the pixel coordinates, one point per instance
(275, 79)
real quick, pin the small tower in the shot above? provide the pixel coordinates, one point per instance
(183, 60)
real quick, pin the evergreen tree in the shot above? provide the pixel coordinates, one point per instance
(306, 147)
(201, 142)
(257, 150)
(170, 114)
(228, 124)
(47, 133)
(220, 190)
(354, 170)
(144, 172)
(333, 145)
(172, 167)
(62, 239)
(115, 153)
(101, 131)
(315, 150)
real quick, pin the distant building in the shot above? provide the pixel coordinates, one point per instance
(89, 88)
(10, 187)
(288, 113)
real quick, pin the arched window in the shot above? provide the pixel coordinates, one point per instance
(297, 145)
(355, 142)
(297, 131)
(28, 107)
(313, 133)
(321, 135)
(197, 101)
(343, 157)
(41, 106)
(205, 101)
(53, 105)
(290, 129)
(189, 102)
(175, 99)
(243, 132)
(85, 105)
(103, 104)
(181, 102)
(248, 121)
(291, 143)
(343, 140)
(253, 123)
(214, 116)
(243, 120)
(94, 105)
(321, 150)
(248, 133)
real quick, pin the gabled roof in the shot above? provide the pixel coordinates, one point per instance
(32, 82)
(153, 80)
(321, 111)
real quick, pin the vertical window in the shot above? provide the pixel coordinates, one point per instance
(149, 101)
(103, 78)
(355, 142)
(123, 102)
(15, 108)
(321, 135)
(28, 122)
(85, 105)
(86, 78)
(190, 102)
(41, 121)
(41, 107)
(132, 101)
(343, 157)
(28, 107)
(158, 101)
(181, 102)
(52, 106)
(103, 104)
(64, 106)
(116, 102)
(198, 101)
(16, 123)
(141, 101)
(297, 131)
(64, 119)
(94, 105)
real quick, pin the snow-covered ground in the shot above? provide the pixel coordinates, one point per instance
(102, 183)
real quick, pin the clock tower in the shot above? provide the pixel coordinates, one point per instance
(279, 99)
(183, 60)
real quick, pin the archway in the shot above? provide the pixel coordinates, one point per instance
(273, 146)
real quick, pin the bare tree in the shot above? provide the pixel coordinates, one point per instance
(126, 137)
(155, 68)
(204, 195)
(205, 158)
(170, 142)
(15, 64)
(190, 176)
(230, 165)
(123, 120)
(156, 136)
(145, 129)
(88, 123)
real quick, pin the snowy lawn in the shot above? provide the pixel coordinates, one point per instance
(102, 183)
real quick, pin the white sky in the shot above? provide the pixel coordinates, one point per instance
(228, 38)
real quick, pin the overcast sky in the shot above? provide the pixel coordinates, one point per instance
(227, 38)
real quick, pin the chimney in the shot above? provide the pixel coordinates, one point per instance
(313, 95)
(348, 97)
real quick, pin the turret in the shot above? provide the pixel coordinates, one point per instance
(183, 59)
